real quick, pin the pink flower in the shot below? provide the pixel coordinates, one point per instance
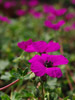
(70, 16)
(0, 1)
(47, 64)
(7, 4)
(26, 46)
(5, 19)
(48, 8)
(56, 26)
(39, 46)
(23, 2)
(73, 26)
(33, 3)
(60, 12)
(67, 28)
(51, 17)
(70, 28)
(51, 9)
(20, 12)
(73, 1)
(36, 14)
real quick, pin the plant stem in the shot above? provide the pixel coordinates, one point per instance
(9, 85)
(42, 91)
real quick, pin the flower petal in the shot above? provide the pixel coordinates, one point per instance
(36, 58)
(55, 59)
(61, 23)
(52, 46)
(54, 72)
(30, 48)
(38, 68)
(45, 57)
(40, 46)
(26, 46)
(48, 24)
(58, 60)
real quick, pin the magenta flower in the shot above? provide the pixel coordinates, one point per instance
(67, 28)
(23, 2)
(20, 12)
(26, 46)
(36, 14)
(0, 1)
(33, 3)
(73, 1)
(7, 4)
(51, 17)
(5, 19)
(47, 64)
(73, 26)
(70, 16)
(39, 46)
(48, 8)
(60, 12)
(56, 26)
(51, 9)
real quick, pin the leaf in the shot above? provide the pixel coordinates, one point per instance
(66, 98)
(26, 71)
(29, 76)
(73, 97)
(52, 83)
(19, 71)
(6, 76)
(3, 64)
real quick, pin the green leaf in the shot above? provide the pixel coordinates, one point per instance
(3, 64)
(26, 71)
(19, 71)
(66, 98)
(6, 76)
(52, 83)
(73, 97)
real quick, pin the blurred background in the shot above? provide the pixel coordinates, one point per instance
(21, 20)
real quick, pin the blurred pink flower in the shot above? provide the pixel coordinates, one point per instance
(51, 17)
(70, 28)
(0, 1)
(60, 12)
(70, 16)
(5, 19)
(73, 26)
(36, 14)
(23, 2)
(33, 3)
(48, 8)
(7, 4)
(20, 12)
(67, 28)
(51, 9)
(73, 1)
(56, 26)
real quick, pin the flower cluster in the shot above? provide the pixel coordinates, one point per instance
(44, 63)
(5, 19)
(54, 26)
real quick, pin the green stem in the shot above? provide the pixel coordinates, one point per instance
(42, 91)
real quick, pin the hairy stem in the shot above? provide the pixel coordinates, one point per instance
(9, 85)
(42, 91)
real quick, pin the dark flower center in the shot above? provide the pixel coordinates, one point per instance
(48, 64)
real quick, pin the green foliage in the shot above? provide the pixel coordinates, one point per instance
(14, 62)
